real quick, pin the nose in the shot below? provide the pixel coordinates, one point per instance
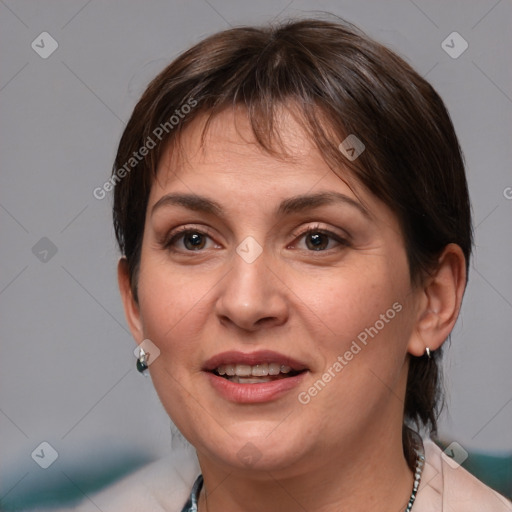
(252, 295)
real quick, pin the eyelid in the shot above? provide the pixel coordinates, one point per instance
(173, 234)
(318, 228)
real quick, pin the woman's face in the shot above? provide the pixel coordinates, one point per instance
(245, 290)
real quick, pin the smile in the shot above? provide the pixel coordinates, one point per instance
(255, 377)
(247, 374)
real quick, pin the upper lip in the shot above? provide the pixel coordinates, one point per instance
(252, 358)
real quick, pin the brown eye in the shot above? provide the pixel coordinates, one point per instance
(197, 240)
(318, 239)
(193, 240)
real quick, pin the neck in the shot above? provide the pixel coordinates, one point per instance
(368, 473)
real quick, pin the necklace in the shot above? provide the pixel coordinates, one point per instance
(420, 461)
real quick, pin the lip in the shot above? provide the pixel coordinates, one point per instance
(252, 358)
(254, 393)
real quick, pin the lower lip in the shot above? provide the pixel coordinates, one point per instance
(254, 393)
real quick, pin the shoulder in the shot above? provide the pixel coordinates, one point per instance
(447, 486)
(161, 486)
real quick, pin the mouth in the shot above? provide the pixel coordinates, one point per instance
(255, 374)
(254, 377)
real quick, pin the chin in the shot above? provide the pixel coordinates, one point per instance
(259, 454)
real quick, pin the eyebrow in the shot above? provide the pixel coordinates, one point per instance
(288, 206)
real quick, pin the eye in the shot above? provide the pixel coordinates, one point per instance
(317, 239)
(193, 239)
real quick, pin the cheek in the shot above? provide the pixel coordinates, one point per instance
(348, 303)
(365, 324)
(172, 307)
(172, 313)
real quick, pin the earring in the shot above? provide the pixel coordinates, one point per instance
(142, 361)
(427, 351)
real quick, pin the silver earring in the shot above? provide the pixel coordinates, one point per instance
(142, 361)
(427, 351)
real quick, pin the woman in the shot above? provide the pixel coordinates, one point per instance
(294, 219)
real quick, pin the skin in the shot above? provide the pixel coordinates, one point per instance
(342, 450)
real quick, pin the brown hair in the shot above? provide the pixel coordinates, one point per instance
(341, 82)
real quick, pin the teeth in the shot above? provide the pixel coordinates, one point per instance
(248, 380)
(243, 370)
(260, 370)
(274, 369)
(257, 370)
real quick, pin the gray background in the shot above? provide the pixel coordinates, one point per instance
(67, 371)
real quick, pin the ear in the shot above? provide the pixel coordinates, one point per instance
(131, 308)
(440, 299)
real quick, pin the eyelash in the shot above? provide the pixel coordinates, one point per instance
(318, 230)
(180, 232)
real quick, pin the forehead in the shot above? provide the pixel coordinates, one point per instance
(229, 152)
(232, 176)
